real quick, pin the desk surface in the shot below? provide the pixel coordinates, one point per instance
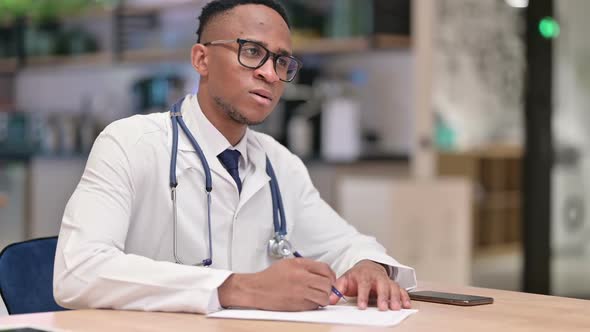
(511, 311)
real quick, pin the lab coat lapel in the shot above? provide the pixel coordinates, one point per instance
(258, 179)
(189, 108)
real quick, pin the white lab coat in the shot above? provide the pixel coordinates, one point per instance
(115, 246)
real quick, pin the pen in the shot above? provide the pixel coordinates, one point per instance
(334, 289)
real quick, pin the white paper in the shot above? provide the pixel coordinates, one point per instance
(337, 314)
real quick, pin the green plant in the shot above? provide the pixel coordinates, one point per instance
(39, 10)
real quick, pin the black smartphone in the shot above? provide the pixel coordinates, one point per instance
(22, 329)
(450, 298)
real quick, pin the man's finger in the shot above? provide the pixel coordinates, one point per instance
(321, 269)
(383, 291)
(406, 303)
(316, 296)
(395, 297)
(342, 286)
(364, 287)
(320, 283)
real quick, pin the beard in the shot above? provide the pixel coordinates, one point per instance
(234, 113)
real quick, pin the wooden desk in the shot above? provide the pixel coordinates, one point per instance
(511, 311)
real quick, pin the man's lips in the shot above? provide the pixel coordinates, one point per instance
(262, 93)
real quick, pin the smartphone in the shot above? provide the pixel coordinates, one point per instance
(22, 329)
(450, 298)
(25, 328)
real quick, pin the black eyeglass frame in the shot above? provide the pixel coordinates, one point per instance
(269, 54)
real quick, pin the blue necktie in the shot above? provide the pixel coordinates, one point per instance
(229, 159)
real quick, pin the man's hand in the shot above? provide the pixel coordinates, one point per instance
(287, 285)
(368, 278)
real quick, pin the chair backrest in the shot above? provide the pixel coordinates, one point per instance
(26, 276)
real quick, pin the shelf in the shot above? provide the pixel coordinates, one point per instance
(149, 9)
(12, 155)
(301, 46)
(501, 200)
(385, 41)
(3, 200)
(155, 55)
(90, 13)
(496, 151)
(363, 160)
(8, 66)
(329, 45)
(513, 248)
(349, 45)
(76, 60)
(7, 106)
(309, 46)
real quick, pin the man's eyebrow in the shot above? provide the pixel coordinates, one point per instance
(281, 51)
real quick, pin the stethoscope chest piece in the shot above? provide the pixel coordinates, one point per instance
(279, 247)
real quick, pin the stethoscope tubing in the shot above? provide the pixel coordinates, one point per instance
(278, 211)
(176, 119)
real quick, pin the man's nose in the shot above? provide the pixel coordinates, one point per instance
(267, 71)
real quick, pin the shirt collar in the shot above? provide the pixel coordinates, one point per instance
(212, 138)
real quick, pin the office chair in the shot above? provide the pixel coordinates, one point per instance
(26, 276)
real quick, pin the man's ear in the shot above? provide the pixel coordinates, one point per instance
(200, 59)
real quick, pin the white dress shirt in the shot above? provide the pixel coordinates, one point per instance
(115, 247)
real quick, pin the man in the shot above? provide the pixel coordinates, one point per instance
(117, 245)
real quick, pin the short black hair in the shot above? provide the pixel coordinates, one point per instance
(217, 7)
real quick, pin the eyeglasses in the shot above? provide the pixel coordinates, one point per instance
(253, 55)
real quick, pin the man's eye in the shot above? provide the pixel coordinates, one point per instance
(282, 62)
(252, 51)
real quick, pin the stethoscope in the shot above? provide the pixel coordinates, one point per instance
(278, 245)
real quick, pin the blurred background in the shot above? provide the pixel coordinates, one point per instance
(454, 131)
